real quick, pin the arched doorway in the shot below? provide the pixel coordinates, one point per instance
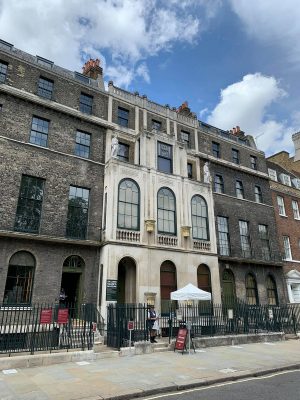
(72, 279)
(168, 284)
(126, 281)
(228, 287)
(19, 281)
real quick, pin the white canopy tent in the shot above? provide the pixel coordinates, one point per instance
(190, 292)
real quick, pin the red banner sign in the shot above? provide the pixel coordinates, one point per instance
(62, 316)
(130, 325)
(46, 316)
(181, 339)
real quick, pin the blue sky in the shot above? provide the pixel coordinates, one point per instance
(236, 62)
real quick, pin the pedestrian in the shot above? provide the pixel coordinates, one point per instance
(152, 323)
(62, 297)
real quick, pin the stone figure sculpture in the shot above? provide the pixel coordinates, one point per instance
(114, 147)
(206, 172)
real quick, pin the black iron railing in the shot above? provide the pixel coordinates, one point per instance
(118, 316)
(235, 318)
(47, 327)
(205, 319)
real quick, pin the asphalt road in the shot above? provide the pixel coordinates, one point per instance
(282, 385)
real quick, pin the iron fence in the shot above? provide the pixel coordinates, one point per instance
(118, 316)
(208, 319)
(205, 319)
(47, 327)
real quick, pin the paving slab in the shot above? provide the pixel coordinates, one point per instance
(139, 376)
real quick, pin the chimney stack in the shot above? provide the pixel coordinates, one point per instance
(92, 69)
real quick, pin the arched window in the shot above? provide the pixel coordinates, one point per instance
(228, 286)
(251, 290)
(203, 277)
(168, 284)
(19, 281)
(272, 291)
(74, 263)
(166, 212)
(199, 218)
(129, 205)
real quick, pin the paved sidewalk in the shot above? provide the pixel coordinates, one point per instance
(129, 377)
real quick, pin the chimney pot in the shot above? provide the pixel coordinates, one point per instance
(92, 69)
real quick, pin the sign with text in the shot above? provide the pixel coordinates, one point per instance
(130, 325)
(181, 339)
(62, 315)
(46, 316)
(111, 289)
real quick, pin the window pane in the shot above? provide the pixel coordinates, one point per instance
(3, 71)
(164, 158)
(128, 205)
(166, 211)
(85, 103)
(29, 208)
(199, 218)
(39, 131)
(45, 88)
(77, 219)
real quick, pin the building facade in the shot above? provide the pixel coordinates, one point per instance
(285, 185)
(52, 151)
(116, 198)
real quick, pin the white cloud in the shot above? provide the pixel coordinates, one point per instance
(246, 104)
(275, 22)
(130, 30)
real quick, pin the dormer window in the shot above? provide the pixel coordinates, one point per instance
(272, 174)
(285, 179)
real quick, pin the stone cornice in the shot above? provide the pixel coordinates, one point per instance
(246, 200)
(55, 106)
(49, 239)
(51, 150)
(231, 165)
(281, 188)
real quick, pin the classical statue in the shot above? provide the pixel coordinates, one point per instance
(114, 147)
(206, 172)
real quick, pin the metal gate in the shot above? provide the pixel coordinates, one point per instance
(118, 316)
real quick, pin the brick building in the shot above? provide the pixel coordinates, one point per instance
(52, 142)
(284, 173)
(250, 261)
(117, 198)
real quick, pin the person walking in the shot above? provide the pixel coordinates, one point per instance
(152, 323)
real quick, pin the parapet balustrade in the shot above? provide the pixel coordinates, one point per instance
(167, 240)
(129, 236)
(202, 245)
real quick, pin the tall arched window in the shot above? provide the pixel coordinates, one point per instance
(199, 218)
(129, 205)
(251, 290)
(272, 291)
(228, 286)
(166, 212)
(19, 281)
(203, 278)
(168, 284)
